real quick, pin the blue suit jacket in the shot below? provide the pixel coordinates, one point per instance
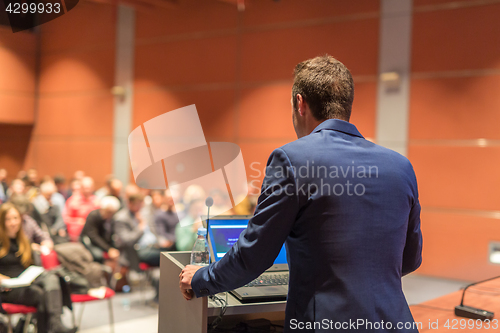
(348, 210)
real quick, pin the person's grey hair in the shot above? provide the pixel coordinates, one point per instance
(110, 202)
(48, 187)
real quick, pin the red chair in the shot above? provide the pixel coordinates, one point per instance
(146, 269)
(84, 298)
(12, 309)
(50, 261)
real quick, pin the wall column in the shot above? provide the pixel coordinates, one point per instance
(123, 91)
(393, 93)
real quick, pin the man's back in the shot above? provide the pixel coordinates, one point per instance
(350, 243)
(349, 213)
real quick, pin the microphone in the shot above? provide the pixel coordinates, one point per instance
(209, 202)
(470, 312)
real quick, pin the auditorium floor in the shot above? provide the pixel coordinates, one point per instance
(144, 318)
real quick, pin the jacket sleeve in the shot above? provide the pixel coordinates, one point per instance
(126, 234)
(33, 231)
(260, 243)
(163, 230)
(92, 231)
(412, 254)
(59, 222)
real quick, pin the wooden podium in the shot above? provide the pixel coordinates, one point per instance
(176, 315)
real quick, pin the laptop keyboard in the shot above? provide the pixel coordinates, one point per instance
(277, 279)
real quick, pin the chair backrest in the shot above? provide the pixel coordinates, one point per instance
(50, 260)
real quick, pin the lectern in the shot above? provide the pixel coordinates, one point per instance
(176, 315)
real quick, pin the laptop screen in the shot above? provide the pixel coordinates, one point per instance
(224, 231)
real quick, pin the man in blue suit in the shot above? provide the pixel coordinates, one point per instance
(347, 209)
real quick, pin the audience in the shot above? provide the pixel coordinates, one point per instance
(97, 232)
(75, 183)
(32, 230)
(129, 227)
(147, 247)
(113, 187)
(57, 198)
(3, 185)
(78, 206)
(186, 230)
(50, 213)
(15, 256)
(165, 223)
(16, 187)
(60, 182)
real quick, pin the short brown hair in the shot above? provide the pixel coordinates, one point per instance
(135, 197)
(327, 87)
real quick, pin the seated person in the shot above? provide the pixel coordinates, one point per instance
(187, 229)
(37, 237)
(97, 231)
(50, 214)
(148, 247)
(165, 223)
(78, 206)
(113, 187)
(15, 256)
(129, 226)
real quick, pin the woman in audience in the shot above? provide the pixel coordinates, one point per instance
(15, 256)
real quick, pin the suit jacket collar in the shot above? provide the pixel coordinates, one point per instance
(338, 125)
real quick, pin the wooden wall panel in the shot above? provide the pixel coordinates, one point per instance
(87, 25)
(190, 18)
(17, 97)
(77, 71)
(17, 108)
(454, 133)
(457, 176)
(186, 62)
(76, 115)
(215, 109)
(14, 140)
(455, 108)
(364, 108)
(456, 39)
(271, 103)
(262, 13)
(18, 70)
(272, 55)
(237, 67)
(75, 127)
(456, 245)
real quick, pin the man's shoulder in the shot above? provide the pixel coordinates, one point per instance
(94, 215)
(123, 215)
(309, 144)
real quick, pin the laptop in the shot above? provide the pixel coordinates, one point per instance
(272, 285)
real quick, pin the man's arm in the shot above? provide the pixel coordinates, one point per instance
(126, 234)
(92, 231)
(59, 223)
(33, 231)
(412, 254)
(260, 243)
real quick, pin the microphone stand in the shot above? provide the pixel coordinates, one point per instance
(470, 312)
